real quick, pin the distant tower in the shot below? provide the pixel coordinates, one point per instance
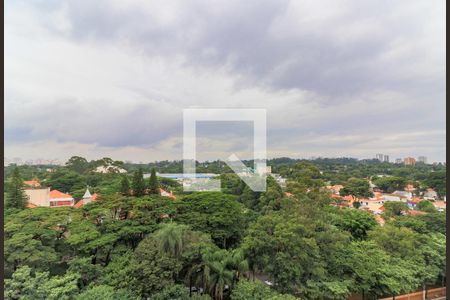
(398, 161)
(87, 197)
(379, 156)
(410, 161)
(422, 159)
(386, 158)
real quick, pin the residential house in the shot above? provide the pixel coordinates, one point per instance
(410, 188)
(440, 205)
(57, 198)
(335, 188)
(45, 197)
(35, 183)
(430, 194)
(392, 197)
(38, 197)
(403, 194)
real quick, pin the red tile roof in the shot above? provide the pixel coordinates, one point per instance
(34, 183)
(416, 213)
(166, 194)
(55, 194)
(349, 198)
(81, 202)
(379, 219)
(31, 205)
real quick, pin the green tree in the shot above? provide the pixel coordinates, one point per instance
(426, 206)
(105, 292)
(434, 222)
(395, 208)
(374, 272)
(218, 273)
(153, 185)
(77, 164)
(357, 222)
(124, 185)
(151, 270)
(356, 187)
(138, 183)
(26, 284)
(256, 290)
(390, 184)
(172, 292)
(397, 241)
(215, 213)
(67, 181)
(15, 194)
(170, 238)
(437, 181)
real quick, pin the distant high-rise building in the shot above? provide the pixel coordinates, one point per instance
(410, 161)
(379, 156)
(386, 158)
(398, 161)
(422, 159)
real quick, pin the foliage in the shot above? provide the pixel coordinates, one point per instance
(395, 208)
(26, 284)
(390, 184)
(426, 206)
(124, 186)
(16, 197)
(357, 222)
(356, 187)
(153, 185)
(138, 183)
(148, 246)
(105, 292)
(215, 213)
(246, 290)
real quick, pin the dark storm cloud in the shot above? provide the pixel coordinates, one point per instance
(337, 55)
(332, 74)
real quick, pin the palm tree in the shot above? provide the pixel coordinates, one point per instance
(171, 239)
(237, 262)
(219, 277)
(217, 272)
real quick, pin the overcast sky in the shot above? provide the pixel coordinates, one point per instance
(111, 78)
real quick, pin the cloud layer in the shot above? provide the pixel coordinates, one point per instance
(111, 78)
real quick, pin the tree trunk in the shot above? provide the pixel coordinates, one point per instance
(107, 258)
(94, 259)
(190, 285)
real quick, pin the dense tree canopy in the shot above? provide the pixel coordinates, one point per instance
(284, 243)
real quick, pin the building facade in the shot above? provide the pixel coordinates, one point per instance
(409, 161)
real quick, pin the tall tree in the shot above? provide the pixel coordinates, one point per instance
(153, 185)
(16, 197)
(357, 187)
(125, 185)
(170, 238)
(138, 183)
(78, 164)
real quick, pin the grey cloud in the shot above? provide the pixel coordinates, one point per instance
(338, 55)
(373, 69)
